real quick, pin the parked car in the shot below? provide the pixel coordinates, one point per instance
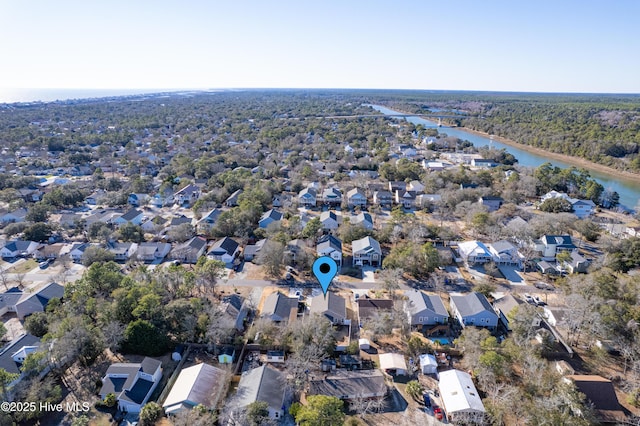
(427, 400)
(438, 413)
(44, 264)
(529, 299)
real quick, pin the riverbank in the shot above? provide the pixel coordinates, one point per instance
(575, 161)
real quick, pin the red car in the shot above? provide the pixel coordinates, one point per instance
(438, 413)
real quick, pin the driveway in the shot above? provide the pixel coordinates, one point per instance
(512, 275)
(368, 274)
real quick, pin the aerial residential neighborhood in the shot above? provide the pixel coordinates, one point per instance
(172, 274)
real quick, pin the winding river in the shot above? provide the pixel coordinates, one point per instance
(629, 191)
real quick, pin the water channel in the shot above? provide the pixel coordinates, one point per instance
(629, 191)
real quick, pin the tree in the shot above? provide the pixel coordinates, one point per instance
(556, 205)
(321, 410)
(96, 254)
(131, 232)
(37, 324)
(150, 414)
(271, 257)
(142, 337)
(38, 212)
(38, 232)
(390, 280)
(414, 389)
(258, 413)
(181, 233)
(312, 228)
(5, 379)
(207, 273)
(110, 400)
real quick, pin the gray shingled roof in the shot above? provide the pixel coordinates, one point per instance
(366, 244)
(6, 361)
(419, 301)
(279, 304)
(471, 304)
(349, 383)
(261, 384)
(333, 306)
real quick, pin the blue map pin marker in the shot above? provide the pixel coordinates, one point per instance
(325, 269)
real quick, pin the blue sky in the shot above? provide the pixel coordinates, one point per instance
(554, 46)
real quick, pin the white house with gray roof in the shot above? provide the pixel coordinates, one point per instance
(504, 252)
(200, 384)
(26, 303)
(278, 307)
(328, 245)
(132, 383)
(356, 197)
(473, 309)
(264, 384)
(366, 251)
(333, 307)
(425, 309)
(363, 219)
(474, 252)
(329, 220)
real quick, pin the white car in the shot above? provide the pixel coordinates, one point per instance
(529, 299)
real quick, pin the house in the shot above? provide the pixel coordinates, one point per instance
(138, 200)
(187, 196)
(356, 198)
(428, 364)
(295, 249)
(491, 203)
(473, 309)
(504, 252)
(328, 245)
(473, 252)
(425, 309)
(179, 220)
(307, 197)
(427, 200)
(393, 364)
(208, 220)
(460, 398)
(366, 251)
(547, 268)
(278, 307)
(190, 251)
(349, 385)
(77, 251)
(26, 303)
(132, 383)
(329, 220)
(252, 250)
(332, 197)
(406, 199)
(152, 252)
(275, 356)
(225, 250)
(483, 163)
(232, 200)
(264, 384)
(601, 394)
(395, 186)
(415, 186)
(383, 198)
(13, 354)
(160, 200)
(19, 248)
(30, 195)
(237, 308)
(333, 307)
(363, 219)
(269, 217)
(577, 263)
(504, 306)
(200, 384)
(583, 208)
(226, 355)
(133, 216)
(94, 198)
(50, 251)
(14, 216)
(551, 245)
(370, 308)
(122, 251)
